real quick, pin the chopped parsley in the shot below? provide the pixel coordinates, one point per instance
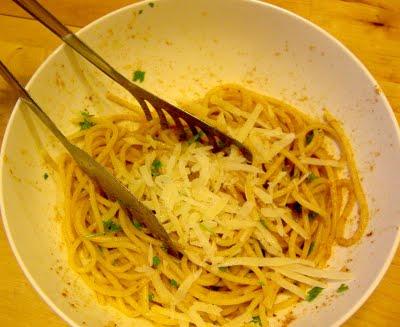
(174, 283)
(312, 215)
(297, 207)
(223, 269)
(311, 248)
(261, 283)
(140, 11)
(196, 138)
(206, 229)
(342, 288)
(136, 224)
(86, 122)
(311, 177)
(151, 4)
(110, 226)
(309, 137)
(45, 175)
(155, 167)
(150, 297)
(313, 293)
(156, 261)
(256, 320)
(86, 114)
(138, 75)
(263, 222)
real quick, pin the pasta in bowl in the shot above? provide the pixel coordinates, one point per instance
(274, 238)
(255, 238)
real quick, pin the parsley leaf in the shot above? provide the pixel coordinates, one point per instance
(45, 175)
(311, 177)
(223, 269)
(138, 75)
(140, 11)
(309, 137)
(136, 224)
(155, 167)
(86, 114)
(313, 293)
(86, 122)
(151, 4)
(263, 222)
(342, 288)
(261, 283)
(196, 138)
(256, 320)
(311, 248)
(156, 261)
(174, 283)
(312, 215)
(151, 297)
(110, 226)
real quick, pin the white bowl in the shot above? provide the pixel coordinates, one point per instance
(186, 47)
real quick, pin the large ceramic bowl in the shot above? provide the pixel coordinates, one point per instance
(185, 47)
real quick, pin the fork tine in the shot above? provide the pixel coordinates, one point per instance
(163, 119)
(220, 143)
(192, 128)
(145, 108)
(179, 126)
(212, 139)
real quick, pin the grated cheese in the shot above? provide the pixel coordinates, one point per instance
(273, 212)
(185, 286)
(262, 195)
(249, 124)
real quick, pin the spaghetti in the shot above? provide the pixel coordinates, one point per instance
(255, 237)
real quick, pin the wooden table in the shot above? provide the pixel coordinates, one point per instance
(369, 28)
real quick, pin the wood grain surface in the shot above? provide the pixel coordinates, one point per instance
(369, 28)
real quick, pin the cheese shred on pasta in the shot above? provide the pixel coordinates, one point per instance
(254, 237)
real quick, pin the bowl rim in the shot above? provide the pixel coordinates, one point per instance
(61, 47)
